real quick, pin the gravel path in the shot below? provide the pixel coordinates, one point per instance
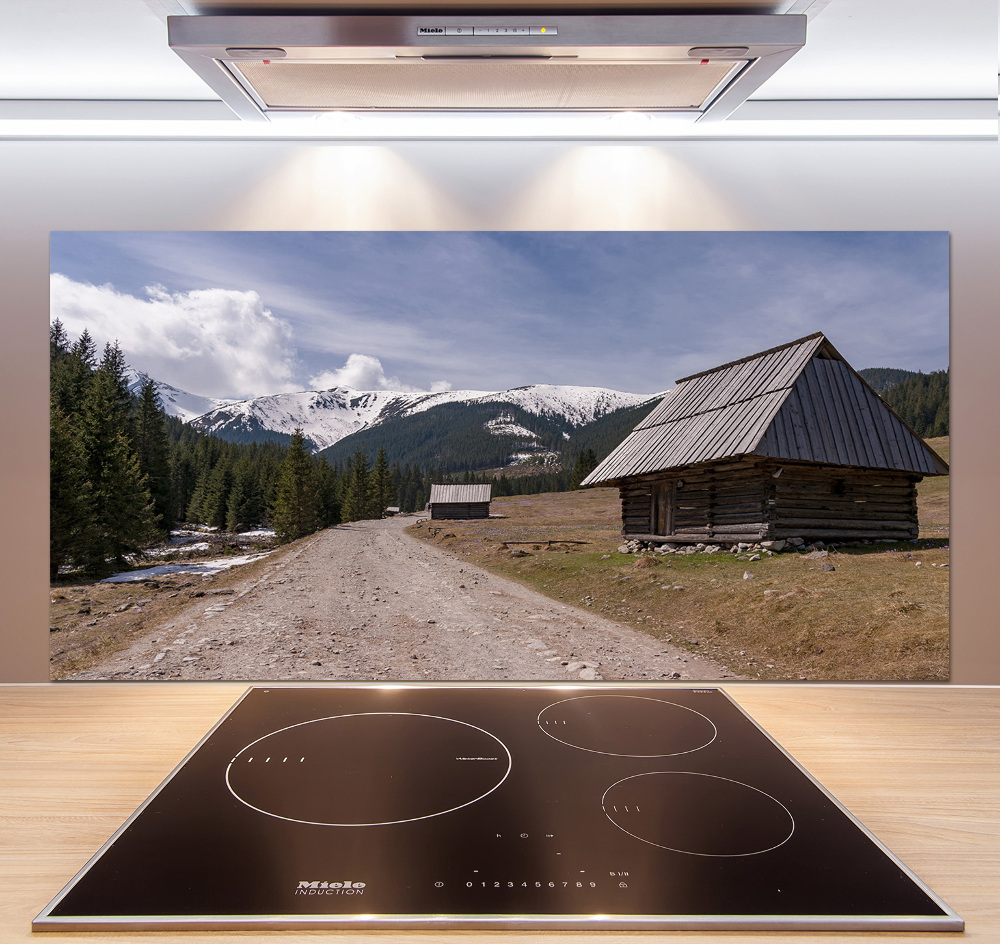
(366, 601)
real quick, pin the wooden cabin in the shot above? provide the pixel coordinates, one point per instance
(790, 442)
(460, 501)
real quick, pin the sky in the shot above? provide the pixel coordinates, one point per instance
(242, 314)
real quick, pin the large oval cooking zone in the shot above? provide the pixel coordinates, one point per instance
(369, 769)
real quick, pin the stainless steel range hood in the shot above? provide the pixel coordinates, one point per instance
(271, 66)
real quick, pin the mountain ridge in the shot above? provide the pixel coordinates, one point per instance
(527, 422)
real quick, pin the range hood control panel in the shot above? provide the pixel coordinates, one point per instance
(487, 31)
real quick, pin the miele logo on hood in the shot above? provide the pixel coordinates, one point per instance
(330, 888)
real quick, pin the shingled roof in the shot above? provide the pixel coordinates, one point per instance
(798, 402)
(459, 494)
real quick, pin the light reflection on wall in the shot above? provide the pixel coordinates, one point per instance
(344, 187)
(620, 187)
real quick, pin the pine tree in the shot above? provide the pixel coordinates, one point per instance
(329, 493)
(123, 507)
(71, 369)
(246, 506)
(354, 497)
(381, 486)
(58, 340)
(216, 499)
(115, 370)
(126, 518)
(154, 452)
(71, 513)
(296, 509)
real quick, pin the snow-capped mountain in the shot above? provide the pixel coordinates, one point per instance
(185, 406)
(328, 416)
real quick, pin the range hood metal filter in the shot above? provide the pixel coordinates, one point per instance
(701, 65)
(488, 84)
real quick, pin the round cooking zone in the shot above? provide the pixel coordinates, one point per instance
(699, 814)
(627, 726)
(369, 769)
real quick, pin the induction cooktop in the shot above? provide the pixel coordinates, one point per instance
(463, 807)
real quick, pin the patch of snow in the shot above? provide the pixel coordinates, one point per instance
(519, 458)
(504, 425)
(174, 547)
(192, 567)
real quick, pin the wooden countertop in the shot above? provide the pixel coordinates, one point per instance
(918, 765)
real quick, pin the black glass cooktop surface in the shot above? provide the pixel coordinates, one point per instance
(523, 807)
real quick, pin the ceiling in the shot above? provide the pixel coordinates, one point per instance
(880, 60)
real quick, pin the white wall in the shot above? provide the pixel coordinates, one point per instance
(478, 185)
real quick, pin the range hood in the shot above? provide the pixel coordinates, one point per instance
(273, 66)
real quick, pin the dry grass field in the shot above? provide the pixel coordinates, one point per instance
(882, 613)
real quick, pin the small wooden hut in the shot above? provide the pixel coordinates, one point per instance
(460, 501)
(790, 442)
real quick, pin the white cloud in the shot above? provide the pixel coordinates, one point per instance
(215, 342)
(364, 372)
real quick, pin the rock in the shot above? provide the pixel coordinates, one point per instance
(711, 549)
(796, 542)
(518, 552)
(827, 567)
(588, 674)
(774, 545)
(575, 666)
(747, 575)
(817, 555)
(430, 621)
(755, 557)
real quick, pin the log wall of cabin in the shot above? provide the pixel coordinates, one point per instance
(831, 503)
(747, 501)
(724, 502)
(456, 511)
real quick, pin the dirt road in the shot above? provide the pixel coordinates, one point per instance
(366, 601)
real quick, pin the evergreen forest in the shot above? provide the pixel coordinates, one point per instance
(123, 473)
(920, 400)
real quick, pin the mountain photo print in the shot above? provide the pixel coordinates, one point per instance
(499, 456)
